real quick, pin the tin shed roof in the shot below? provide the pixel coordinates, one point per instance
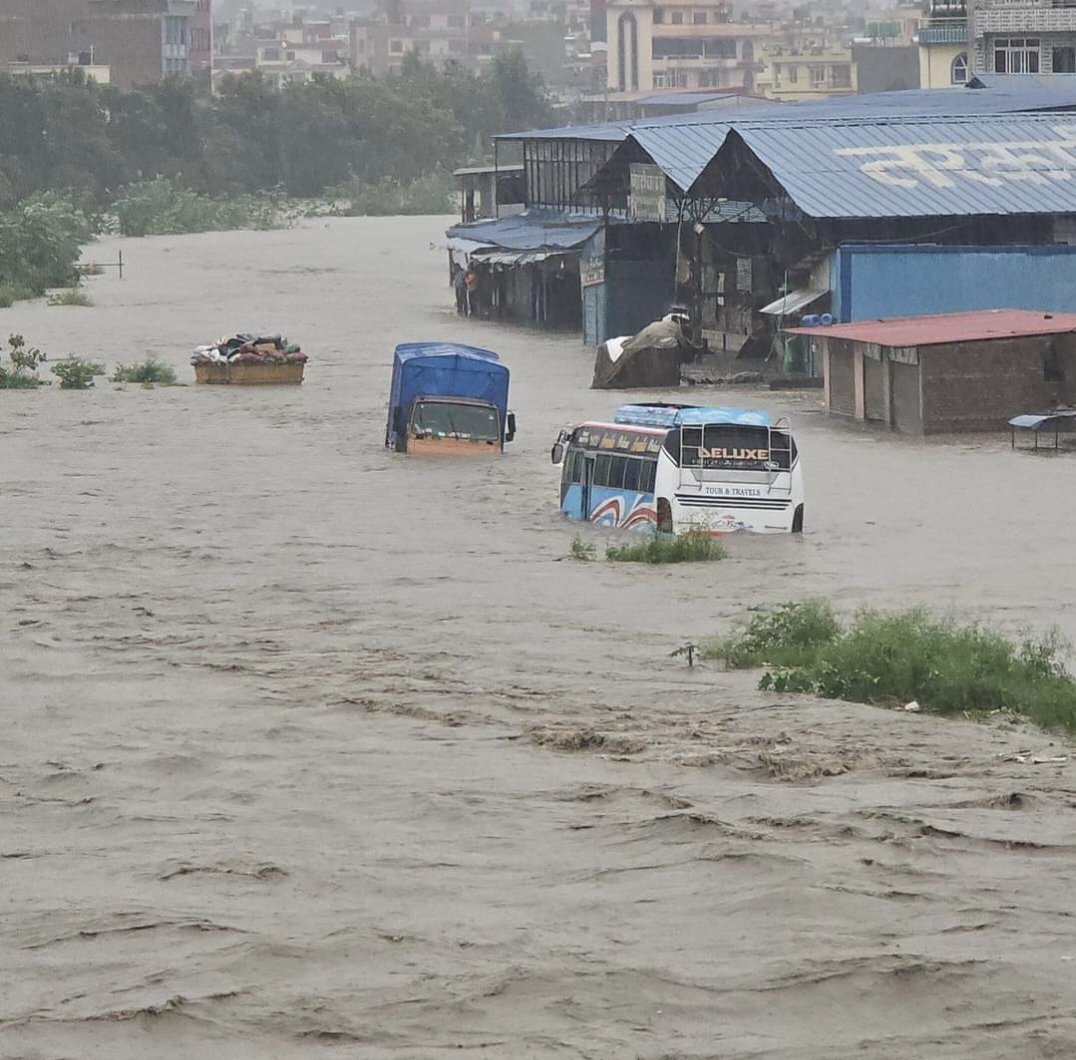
(947, 328)
(903, 167)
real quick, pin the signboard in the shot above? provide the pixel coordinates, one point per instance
(647, 199)
(621, 441)
(591, 271)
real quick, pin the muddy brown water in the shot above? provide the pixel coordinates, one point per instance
(309, 750)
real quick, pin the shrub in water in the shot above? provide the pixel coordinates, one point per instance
(664, 548)
(944, 665)
(151, 370)
(790, 634)
(22, 374)
(70, 296)
(75, 373)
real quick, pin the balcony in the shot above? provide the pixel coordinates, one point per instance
(1026, 17)
(956, 33)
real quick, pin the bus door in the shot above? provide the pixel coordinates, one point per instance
(588, 482)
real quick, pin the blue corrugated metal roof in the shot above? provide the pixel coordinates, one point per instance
(906, 168)
(531, 230)
(682, 151)
(683, 99)
(1001, 94)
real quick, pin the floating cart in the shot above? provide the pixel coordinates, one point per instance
(250, 360)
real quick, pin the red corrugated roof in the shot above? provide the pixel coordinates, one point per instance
(949, 327)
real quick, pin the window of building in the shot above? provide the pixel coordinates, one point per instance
(659, 15)
(818, 75)
(678, 18)
(777, 71)
(698, 18)
(841, 75)
(659, 79)
(1065, 60)
(457, 22)
(793, 74)
(290, 56)
(396, 47)
(958, 72)
(719, 48)
(1016, 55)
(420, 21)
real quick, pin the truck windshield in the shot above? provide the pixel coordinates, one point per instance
(446, 419)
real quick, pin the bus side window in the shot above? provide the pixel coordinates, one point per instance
(616, 472)
(601, 469)
(573, 466)
(647, 476)
(631, 474)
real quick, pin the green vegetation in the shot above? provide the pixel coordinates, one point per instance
(40, 242)
(70, 296)
(75, 373)
(162, 208)
(166, 160)
(581, 549)
(942, 664)
(150, 372)
(664, 548)
(22, 372)
(301, 140)
(388, 197)
(789, 635)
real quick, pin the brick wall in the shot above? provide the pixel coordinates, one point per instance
(981, 386)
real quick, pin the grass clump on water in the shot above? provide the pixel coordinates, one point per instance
(664, 548)
(70, 296)
(150, 371)
(946, 666)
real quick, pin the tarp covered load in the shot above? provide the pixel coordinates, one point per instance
(444, 369)
(250, 349)
(646, 360)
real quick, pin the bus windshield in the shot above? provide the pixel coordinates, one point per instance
(448, 419)
(730, 447)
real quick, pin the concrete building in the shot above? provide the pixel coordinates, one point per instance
(139, 40)
(943, 45)
(815, 72)
(436, 30)
(201, 40)
(1023, 36)
(687, 46)
(947, 374)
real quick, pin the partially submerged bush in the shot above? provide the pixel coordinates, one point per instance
(22, 373)
(150, 371)
(581, 549)
(942, 664)
(790, 634)
(75, 373)
(70, 296)
(161, 207)
(664, 548)
(431, 194)
(40, 241)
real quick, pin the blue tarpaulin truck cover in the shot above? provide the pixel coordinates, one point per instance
(443, 369)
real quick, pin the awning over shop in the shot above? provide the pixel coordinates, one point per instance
(518, 257)
(793, 302)
(524, 238)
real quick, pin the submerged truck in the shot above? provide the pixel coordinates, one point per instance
(448, 398)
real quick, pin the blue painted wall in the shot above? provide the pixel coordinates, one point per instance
(886, 280)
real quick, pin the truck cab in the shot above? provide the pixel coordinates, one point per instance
(448, 399)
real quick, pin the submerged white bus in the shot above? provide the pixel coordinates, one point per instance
(723, 470)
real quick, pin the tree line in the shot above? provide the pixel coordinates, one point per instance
(76, 136)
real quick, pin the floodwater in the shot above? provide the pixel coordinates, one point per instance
(310, 750)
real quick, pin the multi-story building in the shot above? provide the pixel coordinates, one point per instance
(1022, 36)
(693, 44)
(943, 45)
(437, 31)
(813, 72)
(139, 40)
(201, 40)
